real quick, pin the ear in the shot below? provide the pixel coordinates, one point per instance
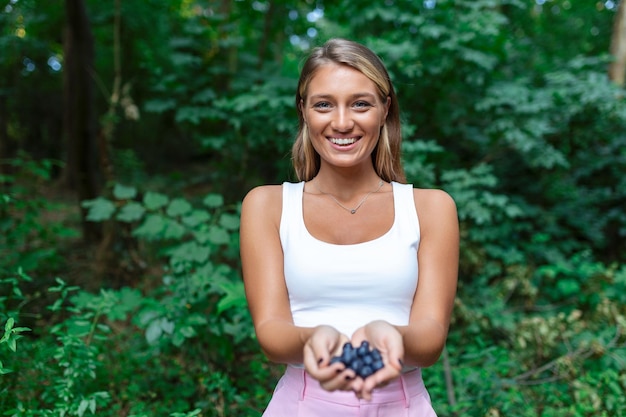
(387, 106)
(301, 108)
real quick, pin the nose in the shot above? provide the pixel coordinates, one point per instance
(342, 120)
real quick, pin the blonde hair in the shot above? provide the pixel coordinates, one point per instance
(386, 155)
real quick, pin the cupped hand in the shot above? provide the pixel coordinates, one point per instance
(324, 343)
(388, 340)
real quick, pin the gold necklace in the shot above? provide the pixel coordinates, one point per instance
(351, 210)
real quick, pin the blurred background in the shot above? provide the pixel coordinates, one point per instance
(131, 130)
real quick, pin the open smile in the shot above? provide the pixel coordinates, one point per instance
(344, 141)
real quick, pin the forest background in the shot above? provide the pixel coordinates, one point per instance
(130, 131)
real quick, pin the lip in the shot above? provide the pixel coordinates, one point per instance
(339, 142)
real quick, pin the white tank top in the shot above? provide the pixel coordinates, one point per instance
(348, 286)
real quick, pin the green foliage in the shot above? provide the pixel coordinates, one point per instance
(223, 107)
(533, 342)
(11, 333)
(110, 350)
(505, 105)
(24, 240)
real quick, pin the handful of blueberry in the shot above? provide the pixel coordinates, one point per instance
(362, 360)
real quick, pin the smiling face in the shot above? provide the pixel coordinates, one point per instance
(344, 115)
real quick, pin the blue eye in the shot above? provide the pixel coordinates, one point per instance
(322, 105)
(362, 105)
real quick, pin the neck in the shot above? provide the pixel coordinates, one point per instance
(346, 186)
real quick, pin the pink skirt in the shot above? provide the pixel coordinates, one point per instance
(299, 395)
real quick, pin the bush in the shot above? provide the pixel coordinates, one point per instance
(121, 351)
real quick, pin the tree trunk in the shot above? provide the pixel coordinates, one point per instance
(617, 69)
(267, 29)
(107, 261)
(232, 57)
(82, 172)
(4, 139)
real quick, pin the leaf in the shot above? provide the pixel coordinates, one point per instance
(82, 407)
(178, 339)
(173, 230)
(213, 200)
(196, 320)
(154, 201)
(568, 287)
(9, 324)
(151, 228)
(196, 217)
(4, 371)
(182, 58)
(167, 326)
(190, 251)
(99, 209)
(229, 221)
(159, 105)
(218, 235)
(122, 192)
(21, 329)
(204, 96)
(153, 332)
(131, 212)
(92, 405)
(194, 114)
(127, 300)
(178, 207)
(234, 296)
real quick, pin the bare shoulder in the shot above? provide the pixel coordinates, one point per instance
(264, 201)
(434, 203)
(264, 195)
(428, 197)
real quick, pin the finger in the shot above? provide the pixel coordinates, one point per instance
(356, 385)
(311, 360)
(395, 355)
(380, 379)
(339, 381)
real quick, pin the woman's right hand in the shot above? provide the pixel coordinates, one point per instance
(324, 343)
(388, 340)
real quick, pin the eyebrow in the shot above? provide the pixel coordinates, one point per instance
(353, 96)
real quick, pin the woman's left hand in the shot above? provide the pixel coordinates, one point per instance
(324, 343)
(388, 340)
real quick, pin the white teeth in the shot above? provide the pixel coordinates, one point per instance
(343, 141)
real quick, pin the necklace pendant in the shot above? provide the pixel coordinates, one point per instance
(351, 210)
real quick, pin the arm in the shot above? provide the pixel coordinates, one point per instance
(438, 256)
(268, 299)
(262, 264)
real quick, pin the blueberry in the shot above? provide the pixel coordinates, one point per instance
(362, 360)
(348, 356)
(364, 349)
(335, 359)
(366, 371)
(356, 365)
(347, 346)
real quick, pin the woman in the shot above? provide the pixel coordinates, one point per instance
(334, 258)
